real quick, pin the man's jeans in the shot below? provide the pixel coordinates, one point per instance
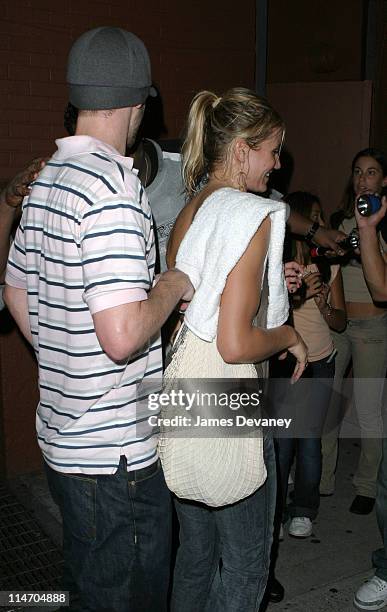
(379, 558)
(240, 535)
(307, 403)
(116, 538)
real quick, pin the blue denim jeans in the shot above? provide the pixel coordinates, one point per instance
(379, 557)
(223, 560)
(116, 538)
(307, 402)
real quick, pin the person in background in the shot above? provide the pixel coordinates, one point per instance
(316, 310)
(372, 595)
(160, 173)
(364, 342)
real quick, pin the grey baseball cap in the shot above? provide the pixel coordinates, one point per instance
(108, 68)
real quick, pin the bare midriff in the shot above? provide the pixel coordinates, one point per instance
(361, 310)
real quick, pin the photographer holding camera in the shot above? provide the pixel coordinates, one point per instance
(372, 595)
(364, 342)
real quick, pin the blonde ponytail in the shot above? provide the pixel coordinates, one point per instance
(194, 164)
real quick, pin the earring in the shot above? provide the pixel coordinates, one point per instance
(242, 174)
(242, 181)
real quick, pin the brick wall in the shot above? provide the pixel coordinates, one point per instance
(193, 44)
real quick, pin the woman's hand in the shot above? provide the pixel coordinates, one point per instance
(293, 273)
(300, 352)
(321, 298)
(313, 284)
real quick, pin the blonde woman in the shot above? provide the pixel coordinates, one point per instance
(223, 237)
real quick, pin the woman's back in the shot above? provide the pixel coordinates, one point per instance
(182, 223)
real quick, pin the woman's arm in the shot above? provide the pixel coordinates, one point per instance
(372, 260)
(238, 340)
(323, 237)
(334, 312)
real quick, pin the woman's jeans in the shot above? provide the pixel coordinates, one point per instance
(116, 538)
(365, 341)
(306, 403)
(240, 535)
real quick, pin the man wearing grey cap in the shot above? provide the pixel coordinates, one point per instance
(79, 284)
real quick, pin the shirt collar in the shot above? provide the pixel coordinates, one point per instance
(75, 145)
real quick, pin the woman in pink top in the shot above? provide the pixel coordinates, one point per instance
(317, 308)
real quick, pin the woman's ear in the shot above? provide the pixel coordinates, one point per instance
(241, 150)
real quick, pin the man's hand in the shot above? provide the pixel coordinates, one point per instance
(293, 273)
(12, 195)
(330, 238)
(189, 288)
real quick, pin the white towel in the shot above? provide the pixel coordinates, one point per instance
(214, 243)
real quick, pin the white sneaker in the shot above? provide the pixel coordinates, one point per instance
(372, 595)
(300, 527)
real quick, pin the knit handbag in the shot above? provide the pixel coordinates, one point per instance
(215, 471)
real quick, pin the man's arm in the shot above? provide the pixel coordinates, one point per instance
(323, 237)
(16, 301)
(7, 218)
(374, 266)
(123, 330)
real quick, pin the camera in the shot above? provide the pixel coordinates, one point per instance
(350, 243)
(368, 204)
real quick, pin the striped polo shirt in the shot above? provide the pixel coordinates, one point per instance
(85, 243)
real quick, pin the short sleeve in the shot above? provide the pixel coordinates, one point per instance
(115, 241)
(16, 274)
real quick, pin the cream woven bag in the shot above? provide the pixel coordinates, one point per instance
(215, 471)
